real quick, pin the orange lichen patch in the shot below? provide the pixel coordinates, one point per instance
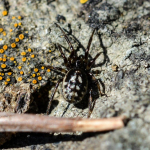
(29, 50)
(42, 67)
(19, 17)
(21, 36)
(10, 30)
(1, 39)
(17, 39)
(13, 17)
(19, 67)
(2, 74)
(20, 79)
(23, 53)
(12, 58)
(5, 47)
(3, 65)
(4, 33)
(1, 58)
(32, 56)
(36, 69)
(4, 59)
(39, 78)
(1, 78)
(50, 51)
(83, 1)
(16, 25)
(24, 59)
(1, 51)
(5, 55)
(9, 73)
(8, 79)
(1, 29)
(48, 70)
(38, 74)
(5, 13)
(34, 81)
(13, 45)
(33, 75)
(5, 83)
(19, 23)
(21, 72)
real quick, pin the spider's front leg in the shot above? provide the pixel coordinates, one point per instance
(52, 96)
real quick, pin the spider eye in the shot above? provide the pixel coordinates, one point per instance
(78, 63)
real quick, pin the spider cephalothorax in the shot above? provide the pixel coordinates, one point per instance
(78, 76)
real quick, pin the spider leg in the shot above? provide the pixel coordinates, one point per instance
(88, 67)
(67, 63)
(57, 69)
(88, 47)
(52, 96)
(90, 104)
(66, 37)
(98, 85)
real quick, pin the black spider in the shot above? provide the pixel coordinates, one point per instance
(77, 75)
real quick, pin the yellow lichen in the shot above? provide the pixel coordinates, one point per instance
(15, 25)
(36, 69)
(13, 45)
(4, 59)
(33, 75)
(19, 23)
(8, 79)
(83, 1)
(29, 50)
(4, 33)
(1, 78)
(21, 72)
(48, 70)
(9, 73)
(1, 51)
(10, 30)
(24, 59)
(5, 47)
(19, 17)
(1, 58)
(42, 67)
(1, 29)
(5, 83)
(23, 53)
(32, 56)
(12, 58)
(39, 78)
(21, 36)
(19, 67)
(13, 17)
(5, 13)
(20, 79)
(3, 66)
(34, 81)
(17, 39)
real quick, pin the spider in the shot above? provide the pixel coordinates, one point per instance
(78, 75)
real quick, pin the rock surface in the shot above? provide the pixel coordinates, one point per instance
(122, 37)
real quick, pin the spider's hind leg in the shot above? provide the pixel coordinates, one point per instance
(52, 96)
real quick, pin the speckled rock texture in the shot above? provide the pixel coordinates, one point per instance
(123, 68)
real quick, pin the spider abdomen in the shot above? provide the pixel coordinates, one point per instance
(74, 86)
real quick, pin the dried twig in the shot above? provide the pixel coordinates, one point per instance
(10, 122)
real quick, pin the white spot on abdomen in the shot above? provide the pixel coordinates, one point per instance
(80, 79)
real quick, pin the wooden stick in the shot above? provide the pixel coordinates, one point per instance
(10, 122)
